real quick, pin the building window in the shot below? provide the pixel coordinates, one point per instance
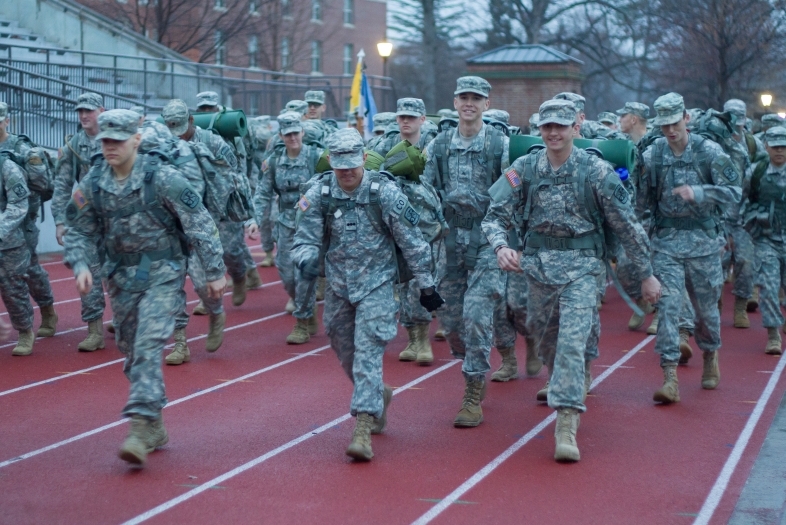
(221, 48)
(286, 8)
(285, 65)
(316, 10)
(316, 56)
(349, 12)
(253, 7)
(349, 53)
(253, 52)
(220, 5)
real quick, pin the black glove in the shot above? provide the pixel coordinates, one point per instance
(430, 299)
(309, 269)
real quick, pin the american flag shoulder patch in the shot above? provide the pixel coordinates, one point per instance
(79, 199)
(303, 203)
(513, 178)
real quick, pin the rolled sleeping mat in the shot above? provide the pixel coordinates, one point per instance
(620, 153)
(227, 123)
(373, 161)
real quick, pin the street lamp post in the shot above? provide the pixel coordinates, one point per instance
(384, 48)
(766, 100)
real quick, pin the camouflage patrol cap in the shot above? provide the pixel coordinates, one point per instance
(289, 122)
(472, 85)
(3, 111)
(301, 106)
(635, 108)
(117, 124)
(775, 136)
(771, 119)
(445, 112)
(89, 101)
(607, 116)
(139, 110)
(534, 120)
(154, 135)
(383, 119)
(346, 149)
(315, 97)
(207, 99)
(175, 115)
(669, 109)
(557, 111)
(413, 107)
(736, 107)
(577, 99)
(499, 115)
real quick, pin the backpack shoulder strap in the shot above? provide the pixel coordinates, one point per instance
(493, 148)
(441, 147)
(758, 173)
(528, 185)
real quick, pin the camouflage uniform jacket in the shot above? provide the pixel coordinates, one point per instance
(14, 195)
(289, 175)
(557, 212)
(722, 190)
(217, 146)
(141, 231)
(466, 182)
(25, 152)
(775, 178)
(76, 159)
(359, 258)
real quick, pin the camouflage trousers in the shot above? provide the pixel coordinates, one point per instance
(144, 322)
(411, 312)
(267, 228)
(198, 278)
(742, 257)
(770, 271)
(358, 334)
(94, 303)
(299, 289)
(236, 253)
(36, 277)
(14, 263)
(702, 278)
(515, 320)
(563, 319)
(627, 275)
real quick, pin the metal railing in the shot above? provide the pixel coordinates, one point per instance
(150, 82)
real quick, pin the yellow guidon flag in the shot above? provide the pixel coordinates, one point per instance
(354, 93)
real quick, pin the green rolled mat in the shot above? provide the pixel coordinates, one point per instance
(620, 153)
(373, 161)
(227, 123)
(405, 160)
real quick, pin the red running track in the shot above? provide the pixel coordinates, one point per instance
(258, 432)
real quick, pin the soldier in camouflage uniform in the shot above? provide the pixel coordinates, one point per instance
(14, 255)
(382, 122)
(633, 120)
(687, 180)
(360, 311)
(260, 132)
(316, 110)
(533, 125)
(410, 119)
(765, 219)
(232, 232)
(562, 253)
(608, 119)
(177, 118)
(462, 164)
(73, 164)
(282, 175)
(145, 265)
(768, 121)
(32, 159)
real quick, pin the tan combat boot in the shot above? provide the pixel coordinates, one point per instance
(741, 313)
(24, 345)
(267, 262)
(471, 415)
(290, 307)
(135, 448)
(381, 423)
(200, 309)
(215, 335)
(48, 322)
(239, 291)
(753, 302)
(773, 342)
(652, 329)
(565, 435)
(95, 337)
(321, 285)
(425, 354)
(509, 369)
(313, 326)
(686, 352)
(360, 448)
(534, 364)
(711, 375)
(299, 333)
(180, 353)
(670, 391)
(156, 434)
(636, 321)
(410, 352)
(253, 280)
(439, 335)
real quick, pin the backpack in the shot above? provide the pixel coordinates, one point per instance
(40, 174)
(227, 191)
(422, 198)
(719, 128)
(493, 147)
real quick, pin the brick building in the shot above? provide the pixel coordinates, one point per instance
(523, 76)
(319, 37)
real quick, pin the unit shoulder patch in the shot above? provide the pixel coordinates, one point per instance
(189, 198)
(412, 216)
(513, 178)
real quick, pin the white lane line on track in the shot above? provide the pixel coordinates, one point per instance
(451, 498)
(276, 451)
(716, 493)
(84, 327)
(78, 372)
(170, 404)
